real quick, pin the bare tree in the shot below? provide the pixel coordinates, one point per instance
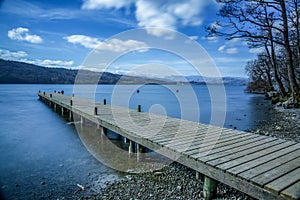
(265, 23)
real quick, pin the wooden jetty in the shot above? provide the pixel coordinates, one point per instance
(260, 166)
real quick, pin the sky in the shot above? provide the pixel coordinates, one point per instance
(139, 37)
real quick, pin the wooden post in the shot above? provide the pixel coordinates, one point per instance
(81, 120)
(209, 188)
(62, 111)
(140, 148)
(70, 115)
(104, 101)
(105, 130)
(198, 175)
(54, 106)
(95, 111)
(51, 95)
(139, 108)
(125, 140)
(131, 146)
(71, 102)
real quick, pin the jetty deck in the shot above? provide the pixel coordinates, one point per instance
(260, 166)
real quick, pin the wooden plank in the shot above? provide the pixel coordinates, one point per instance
(292, 192)
(261, 160)
(219, 147)
(164, 136)
(239, 152)
(284, 182)
(236, 150)
(175, 134)
(203, 141)
(251, 173)
(194, 135)
(276, 172)
(197, 147)
(267, 151)
(203, 134)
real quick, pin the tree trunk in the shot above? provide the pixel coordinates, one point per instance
(273, 62)
(272, 56)
(289, 56)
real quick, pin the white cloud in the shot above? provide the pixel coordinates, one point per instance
(99, 4)
(256, 50)
(12, 55)
(225, 49)
(115, 45)
(194, 37)
(212, 39)
(230, 60)
(22, 34)
(22, 57)
(54, 63)
(49, 63)
(86, 41)
(232, 50)
(157, 14)
(230, 47)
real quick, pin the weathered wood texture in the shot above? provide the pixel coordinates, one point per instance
(260, 166)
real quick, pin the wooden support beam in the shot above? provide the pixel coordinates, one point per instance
(81, 120)
(125, 140)
(131, 146)
(70, 115)
(209, 188)
(198, 175)
(103, 130)
(98, 126)
(140, 148)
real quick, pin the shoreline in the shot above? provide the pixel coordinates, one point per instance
(179, 182)
(283, 124)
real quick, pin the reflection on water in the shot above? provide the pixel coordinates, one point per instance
(112, 151)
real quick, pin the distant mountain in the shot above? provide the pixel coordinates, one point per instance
(207, 80)
(24, 73)
(214, 80)
(13, 72)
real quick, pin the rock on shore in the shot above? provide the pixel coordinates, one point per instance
(179, 182)
(172, 182)
(283, 124)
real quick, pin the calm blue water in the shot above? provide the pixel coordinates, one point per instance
(41, 155)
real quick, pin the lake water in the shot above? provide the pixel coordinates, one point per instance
(41, 155)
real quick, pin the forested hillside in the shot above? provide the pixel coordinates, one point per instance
(23, 73)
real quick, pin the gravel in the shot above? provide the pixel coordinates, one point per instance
(176, 181)
(283, 124)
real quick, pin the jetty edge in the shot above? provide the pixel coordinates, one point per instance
(261, 166)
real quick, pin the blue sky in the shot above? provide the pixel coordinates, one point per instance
(63, 33)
